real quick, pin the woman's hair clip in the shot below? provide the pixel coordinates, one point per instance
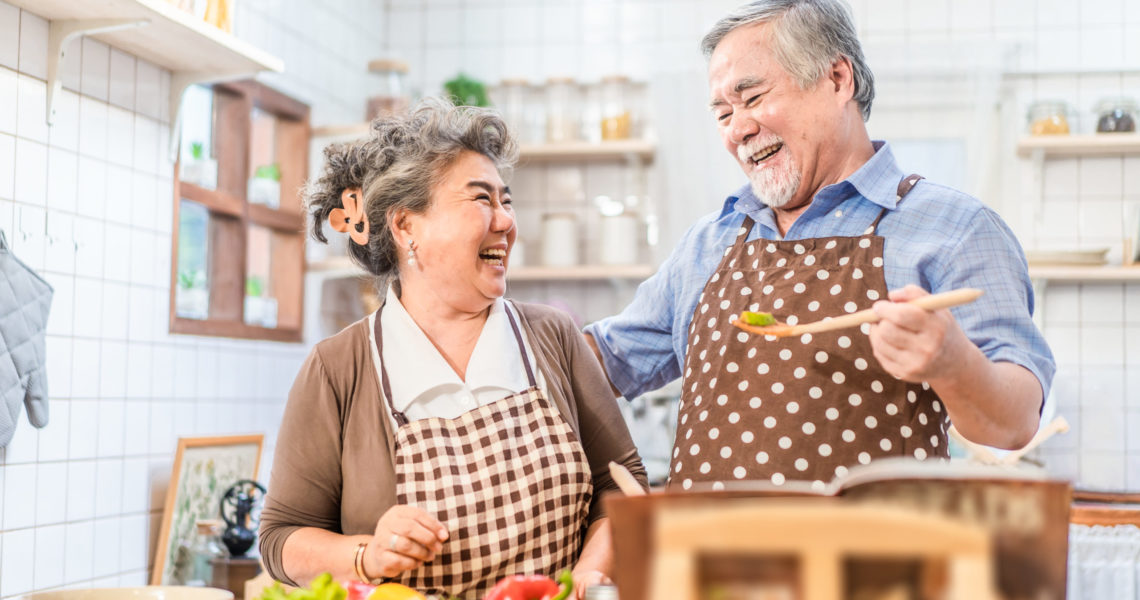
(351, 219)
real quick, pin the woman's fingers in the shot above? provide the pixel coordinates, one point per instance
(392, 564)
(402, 544)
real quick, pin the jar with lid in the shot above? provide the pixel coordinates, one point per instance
(617, 116)
(521, 110)
(387, 88)
(204, 549)
(1049, 117)
(1116, 115)
(560, 239)
(562, 102)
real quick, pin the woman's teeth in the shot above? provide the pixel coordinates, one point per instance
(766, 152)
(493, 256)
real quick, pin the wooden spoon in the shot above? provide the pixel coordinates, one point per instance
(625, 480)
(931, 303)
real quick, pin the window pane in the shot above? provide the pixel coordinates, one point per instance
(192, 298)
(264, 169)
(260, 299)
(199, 164)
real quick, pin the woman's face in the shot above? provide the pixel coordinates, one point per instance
(464, 240)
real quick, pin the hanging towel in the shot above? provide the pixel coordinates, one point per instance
(25, 299)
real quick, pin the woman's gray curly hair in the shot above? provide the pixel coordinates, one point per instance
(397, 166)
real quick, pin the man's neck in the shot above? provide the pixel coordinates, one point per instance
(849, 161)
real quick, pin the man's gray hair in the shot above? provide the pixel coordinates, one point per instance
(808, 36)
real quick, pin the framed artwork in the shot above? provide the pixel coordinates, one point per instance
(204, 467)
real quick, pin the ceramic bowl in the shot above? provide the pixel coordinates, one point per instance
(156, 592)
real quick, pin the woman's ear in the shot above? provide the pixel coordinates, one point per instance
(400, 223)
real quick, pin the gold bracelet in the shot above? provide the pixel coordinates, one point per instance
(358, 563)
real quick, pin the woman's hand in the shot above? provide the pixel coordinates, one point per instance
(406, 537)
(587, 577)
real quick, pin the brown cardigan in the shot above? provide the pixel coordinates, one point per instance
(333, 465)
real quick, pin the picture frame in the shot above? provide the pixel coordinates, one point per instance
(204, 467)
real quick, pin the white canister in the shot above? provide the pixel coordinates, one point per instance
(560, 240)
(619, 240)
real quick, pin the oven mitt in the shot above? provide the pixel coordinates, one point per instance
(25, 299)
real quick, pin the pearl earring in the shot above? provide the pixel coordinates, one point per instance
(411, 253)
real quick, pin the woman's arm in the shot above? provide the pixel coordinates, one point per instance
(595, 564)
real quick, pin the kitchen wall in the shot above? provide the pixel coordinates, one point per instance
(88, 203)
(954, 81)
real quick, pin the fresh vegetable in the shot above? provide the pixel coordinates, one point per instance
(321, 588)
(394, 591)
(532, 587)
(358, 590)
(758, 319)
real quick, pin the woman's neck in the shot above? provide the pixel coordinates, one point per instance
(453, 330)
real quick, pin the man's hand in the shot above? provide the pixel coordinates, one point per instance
(914, 344)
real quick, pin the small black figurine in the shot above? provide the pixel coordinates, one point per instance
(237, 507)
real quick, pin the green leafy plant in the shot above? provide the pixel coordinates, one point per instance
(197, 151)
(189, 278)
(253, 286)
(268, 172)
(465, 91)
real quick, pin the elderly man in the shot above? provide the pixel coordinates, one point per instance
(828, 224)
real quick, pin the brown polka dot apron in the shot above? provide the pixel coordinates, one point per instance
(804, 408)
(509, 480)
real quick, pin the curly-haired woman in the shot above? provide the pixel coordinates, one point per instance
(451, 437)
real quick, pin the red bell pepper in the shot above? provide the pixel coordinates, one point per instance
(531, 587)
(358, 590)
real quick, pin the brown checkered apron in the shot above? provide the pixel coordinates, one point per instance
(805, 408)
(509, 480)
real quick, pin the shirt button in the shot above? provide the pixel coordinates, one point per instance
(838, 213)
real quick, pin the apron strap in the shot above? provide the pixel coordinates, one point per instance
(401, 420)
(522, 347)
(905, 186)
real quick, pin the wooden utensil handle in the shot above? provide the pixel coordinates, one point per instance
(931, 303)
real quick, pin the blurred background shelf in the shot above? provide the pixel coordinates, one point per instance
(342, 267)
(1068, 146)
(1084, 273)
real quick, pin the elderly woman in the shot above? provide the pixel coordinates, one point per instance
(452, 437)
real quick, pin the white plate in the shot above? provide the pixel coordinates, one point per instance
(155, 592)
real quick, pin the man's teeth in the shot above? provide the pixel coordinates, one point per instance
(765, 152)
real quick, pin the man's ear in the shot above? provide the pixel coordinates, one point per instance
(842, 76)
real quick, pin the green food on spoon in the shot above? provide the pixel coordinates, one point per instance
(757, 319)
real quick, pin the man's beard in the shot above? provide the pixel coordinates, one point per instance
(772, 186)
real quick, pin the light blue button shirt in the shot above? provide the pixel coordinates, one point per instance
(937, 238)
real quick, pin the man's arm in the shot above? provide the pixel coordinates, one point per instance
(598, 355)
(993, 403)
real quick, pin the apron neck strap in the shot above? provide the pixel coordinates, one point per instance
(401, 419)
(522, 347)
(906, 184)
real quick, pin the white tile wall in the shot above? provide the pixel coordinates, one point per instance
(1094, 329)
(88, 202)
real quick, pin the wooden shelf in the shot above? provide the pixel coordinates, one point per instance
(153, 30)
(1085, 273)
(1069, 146)
(342, 266)
(173, 39)
(605, 150)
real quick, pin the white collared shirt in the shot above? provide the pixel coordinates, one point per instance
(424, 385)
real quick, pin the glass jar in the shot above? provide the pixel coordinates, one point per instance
(204, 549)
(560, 239)
(616, 113)
(1116, 115)
(1049, 117)
(562, 102)
(515, 98)
(387, 88)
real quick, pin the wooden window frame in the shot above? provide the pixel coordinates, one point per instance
(231, 215)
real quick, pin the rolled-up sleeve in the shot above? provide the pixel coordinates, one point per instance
(305, 485)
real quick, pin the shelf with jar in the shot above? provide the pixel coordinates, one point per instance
(195, 49)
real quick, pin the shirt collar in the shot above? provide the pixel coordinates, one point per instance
(876, 180)
(417, 367)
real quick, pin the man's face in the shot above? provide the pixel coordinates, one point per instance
(778, 132)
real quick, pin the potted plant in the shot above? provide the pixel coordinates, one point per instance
(265, 186)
